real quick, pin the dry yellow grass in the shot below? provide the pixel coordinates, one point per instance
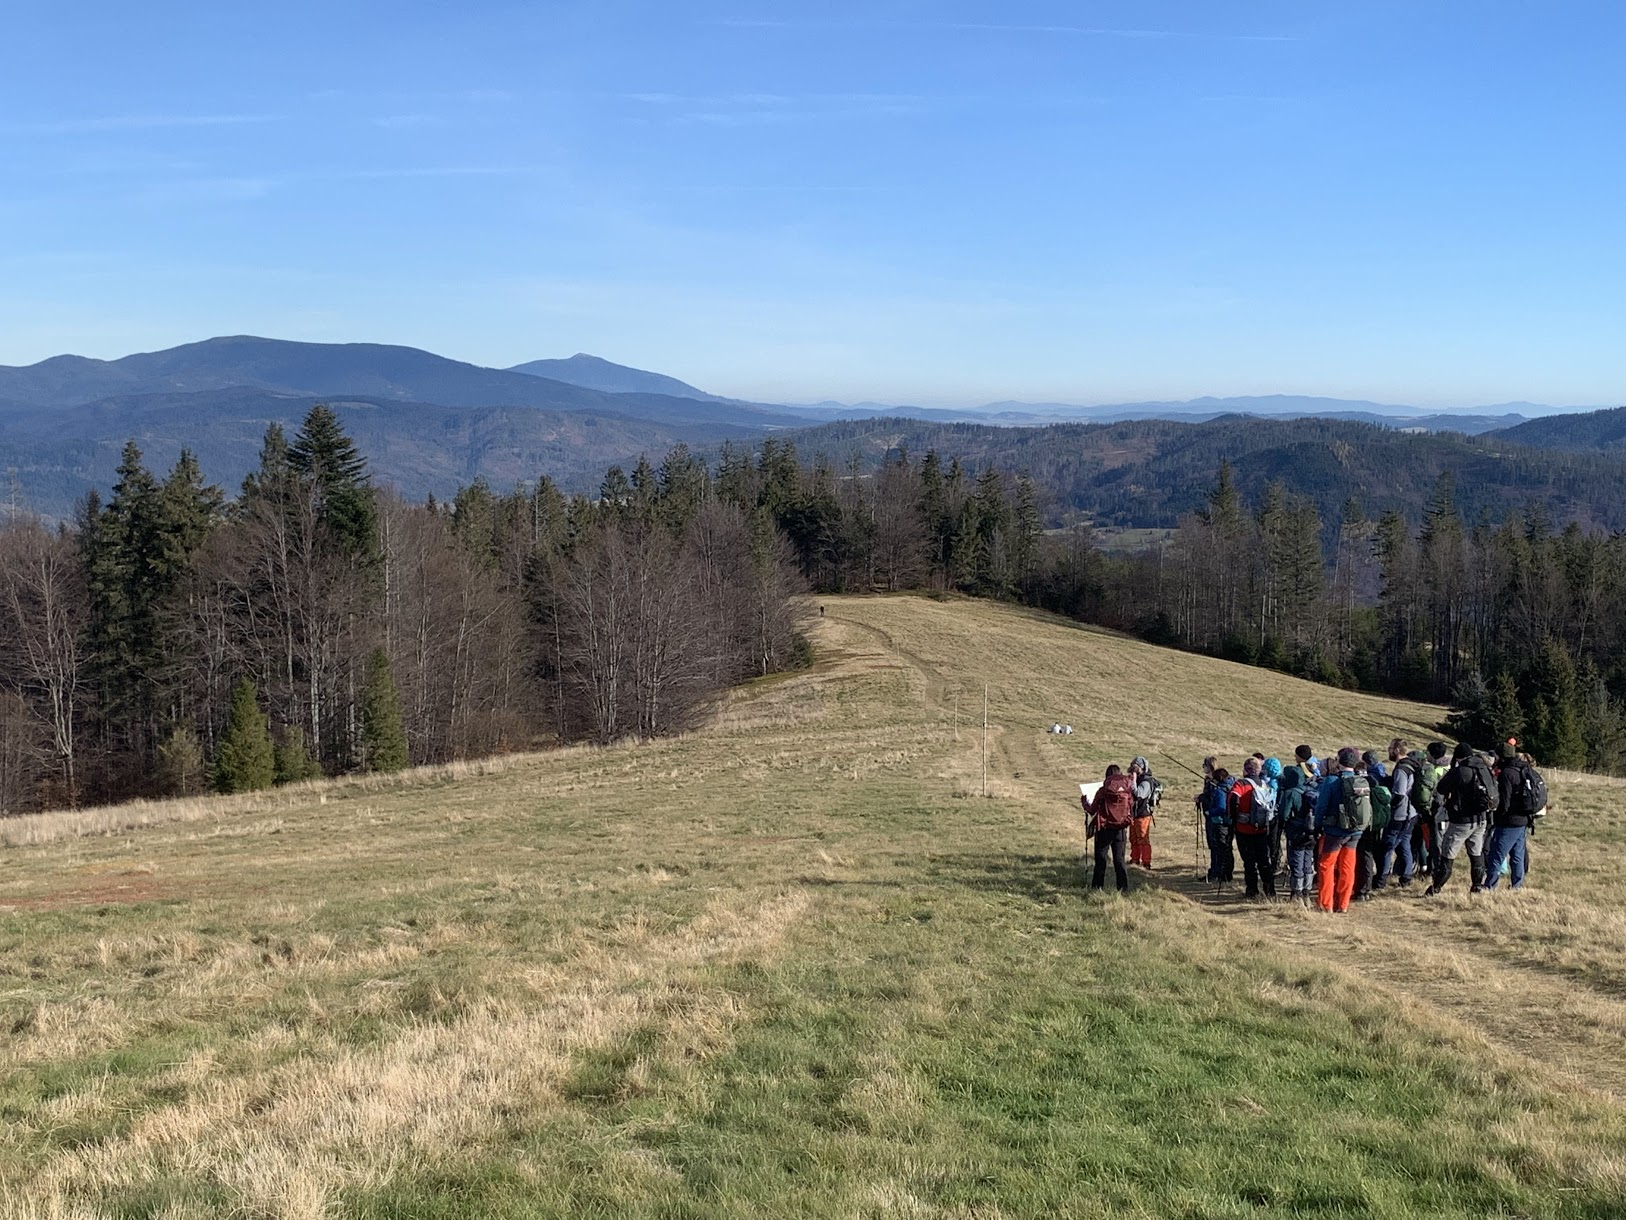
(291, 1003)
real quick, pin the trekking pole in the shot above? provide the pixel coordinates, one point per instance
(1181, 765)
(1197, 850)
(985, 739)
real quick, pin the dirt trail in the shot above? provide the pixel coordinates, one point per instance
(1423, 953)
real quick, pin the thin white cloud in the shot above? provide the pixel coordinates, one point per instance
(207, 190)
(134, 122)
(759, 109)
(408, 122)
(433, 171)
(1103, 31)
(992, 27)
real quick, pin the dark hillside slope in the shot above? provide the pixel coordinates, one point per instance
(1149, 472)
(1592, 430)
(418, 448)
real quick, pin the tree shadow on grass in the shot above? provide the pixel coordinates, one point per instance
(1049, 879)
(1045, 879)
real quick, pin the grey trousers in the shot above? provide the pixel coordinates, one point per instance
(1454, 836)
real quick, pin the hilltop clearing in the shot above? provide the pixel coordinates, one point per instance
(794, 964)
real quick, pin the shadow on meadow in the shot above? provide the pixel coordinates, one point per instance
(1049, 879)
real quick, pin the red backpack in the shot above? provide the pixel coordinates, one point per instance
(1117, 797)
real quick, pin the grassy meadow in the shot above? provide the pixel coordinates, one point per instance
(794, 964)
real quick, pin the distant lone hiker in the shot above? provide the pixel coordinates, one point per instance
(821, 611)
(1111, 813)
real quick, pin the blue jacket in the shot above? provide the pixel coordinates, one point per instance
(1326, 807)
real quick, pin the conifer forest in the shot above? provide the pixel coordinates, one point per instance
(172, 640)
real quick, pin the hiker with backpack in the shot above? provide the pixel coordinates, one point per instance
(1343, 813)
(1253, 813)
(1411, 792)
(1469, 796)
(1369, 848)
(1295, 815)
(1424, 834)
(1523, 795)
(1213, 806)
(1111, 813)
(1148, 794)
(1307, 765)
(1271, 772)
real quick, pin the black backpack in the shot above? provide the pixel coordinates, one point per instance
(1476, 792)
(1146, 808)
(1531, 792)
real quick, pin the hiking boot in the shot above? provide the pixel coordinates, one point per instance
(1430, 892)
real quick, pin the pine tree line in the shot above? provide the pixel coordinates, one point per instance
(172, 641)
(1521, 628)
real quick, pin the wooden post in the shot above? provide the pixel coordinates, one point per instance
(985, 739)
(956, 713)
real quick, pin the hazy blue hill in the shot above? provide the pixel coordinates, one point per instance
(1149, 472)
(371, 370)
(1605, 430)
(594, 373)
(420, 449)
(1195, 410)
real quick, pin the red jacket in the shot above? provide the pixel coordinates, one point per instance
(1241, 806)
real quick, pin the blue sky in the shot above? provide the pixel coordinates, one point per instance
(928, 201)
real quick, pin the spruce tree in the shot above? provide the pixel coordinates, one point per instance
(245, 760)
(1470, 718)
(1556, 736)
(1603, 724)
(323, 454)
(382, 733)
(180, 763)
(1504, 715)
(292, 758)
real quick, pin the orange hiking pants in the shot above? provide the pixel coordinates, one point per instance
(1140, 842)
(1335, 873)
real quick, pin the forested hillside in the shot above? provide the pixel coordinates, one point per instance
(1521, 625)
(171, 641)
(54, 457)
(1589, 431)
(1147, 473)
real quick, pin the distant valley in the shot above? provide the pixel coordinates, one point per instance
(430, 424)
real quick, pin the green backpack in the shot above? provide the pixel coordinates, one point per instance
(1354, 803)
(1422, 792)
(1383, 803)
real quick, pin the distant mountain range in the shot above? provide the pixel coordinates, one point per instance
(1471, 421)
(373, 370)
(429, 424)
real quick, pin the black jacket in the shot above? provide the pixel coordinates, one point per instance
(1512, 812)
(1456, 790)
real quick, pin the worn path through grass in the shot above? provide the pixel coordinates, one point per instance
(792, 964)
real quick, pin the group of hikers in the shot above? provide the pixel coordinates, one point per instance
(1341, 827)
